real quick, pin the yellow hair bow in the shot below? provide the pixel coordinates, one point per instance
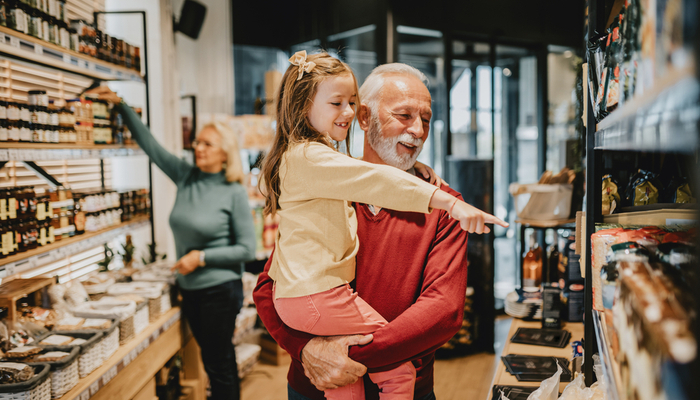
(299, 58)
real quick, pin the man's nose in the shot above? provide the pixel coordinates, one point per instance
(416, 128)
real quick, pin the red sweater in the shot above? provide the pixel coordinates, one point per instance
(412, 268)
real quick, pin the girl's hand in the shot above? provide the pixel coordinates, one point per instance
(429, 174)
(105, 93)
(187, 264)
(473, 220)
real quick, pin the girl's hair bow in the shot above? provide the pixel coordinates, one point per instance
(299, 58)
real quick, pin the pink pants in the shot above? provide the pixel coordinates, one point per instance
(340, 311)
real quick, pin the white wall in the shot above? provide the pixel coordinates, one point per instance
(206, 64)
(164, 100)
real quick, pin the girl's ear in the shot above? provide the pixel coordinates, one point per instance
(363, 117)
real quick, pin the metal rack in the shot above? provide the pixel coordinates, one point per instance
(666, 119)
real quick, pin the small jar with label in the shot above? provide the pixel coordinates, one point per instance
(25, 134)
(55, 134)
(13, 134)
(45, 27)
(34, 23)
(74, 39)
(37, 133)
(63, 35)
(38, 98)
(3, 130)
(24, 113)
(12, 111)
(3, 110)
(54, 118)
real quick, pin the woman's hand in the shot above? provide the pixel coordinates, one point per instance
(429, 174)
(105, 93)
(187, 264)
(473, 220)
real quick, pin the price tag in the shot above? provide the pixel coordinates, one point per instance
(12, 155)
(10, 269)
(2, 38)
(66, 58)
(14, 42)
(4, 155)
(38, 49)
(109, 375)
(85, 395)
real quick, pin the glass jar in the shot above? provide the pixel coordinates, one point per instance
(24, 113)
(37, 134)
(12, 111)
(63, 35)
(13, 131)
(44, 26)
(3, 109)
(3, 131)
(4, 10)
(54, 118)
(52, 8)
(74, 41)
(62, 14)
(137, 58)
(18, 19)
(34, 24)
(53, 133)
(8, 240)
(33, 114)
(25, 134)
(54, 31)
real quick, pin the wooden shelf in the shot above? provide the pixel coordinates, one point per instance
(658, 217)
(31, 49)
(503, 377)
(14, 290)
(531, 223)
(124, 374)
(42, 255)
(67, 146)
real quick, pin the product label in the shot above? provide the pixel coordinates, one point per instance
(13, 134)
(3, 209)
(7, 243)
(51, 234)
(12, 208)
(3, 134)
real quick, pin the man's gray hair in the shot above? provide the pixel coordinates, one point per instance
(371, 90)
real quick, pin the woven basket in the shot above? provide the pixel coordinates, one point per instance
(91, 356)
(126, 329)
(110, 341)
(37, 388)
(141, 318)
(158, 306)
(64, 373)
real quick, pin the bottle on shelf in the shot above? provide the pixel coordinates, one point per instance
(532, 266)
(553, 263)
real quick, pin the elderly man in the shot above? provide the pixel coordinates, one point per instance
(411, 267)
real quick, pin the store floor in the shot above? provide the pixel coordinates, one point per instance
(463, 378)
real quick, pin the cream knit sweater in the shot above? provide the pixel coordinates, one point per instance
(317, 240)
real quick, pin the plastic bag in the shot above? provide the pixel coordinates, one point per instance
(549, 388)
(611, 195)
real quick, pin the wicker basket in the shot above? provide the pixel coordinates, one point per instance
(158, 306)
(141, 319)
(110, 341)
(64, 373)
(126, 330)
(91, 356)
(37, 388)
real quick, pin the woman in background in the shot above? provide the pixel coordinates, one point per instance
(214, 235)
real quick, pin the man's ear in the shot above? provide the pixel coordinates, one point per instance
(363, 117)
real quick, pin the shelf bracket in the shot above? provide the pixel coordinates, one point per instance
(41, 173)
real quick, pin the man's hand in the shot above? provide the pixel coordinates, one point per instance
(187, 264)
(429, 174)
(326, 362)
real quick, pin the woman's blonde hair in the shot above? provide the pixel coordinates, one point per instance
(295, 98)
(229, 144)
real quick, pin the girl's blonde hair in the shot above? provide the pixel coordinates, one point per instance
(229, 143)
(294, 101)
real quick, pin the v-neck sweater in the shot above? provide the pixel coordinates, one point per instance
(316, 243)
(210, 214)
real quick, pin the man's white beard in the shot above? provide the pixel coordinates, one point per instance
(386, 147)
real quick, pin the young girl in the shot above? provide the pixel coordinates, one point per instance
(311, 185)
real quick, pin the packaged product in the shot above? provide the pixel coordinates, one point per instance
(601, 242)
(643, 189)
(15, 373)
(611, 196)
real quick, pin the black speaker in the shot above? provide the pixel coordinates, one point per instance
(191, 18)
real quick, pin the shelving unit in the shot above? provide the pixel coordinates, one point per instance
(31, 259)
(29, 48)
(63, 151)
(663, 121)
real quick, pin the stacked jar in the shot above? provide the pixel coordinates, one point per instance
(101, 209)
(102, 127)
(82, 112)
(19, 228)
(62, 217)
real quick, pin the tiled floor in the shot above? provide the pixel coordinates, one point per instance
(464, 378)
